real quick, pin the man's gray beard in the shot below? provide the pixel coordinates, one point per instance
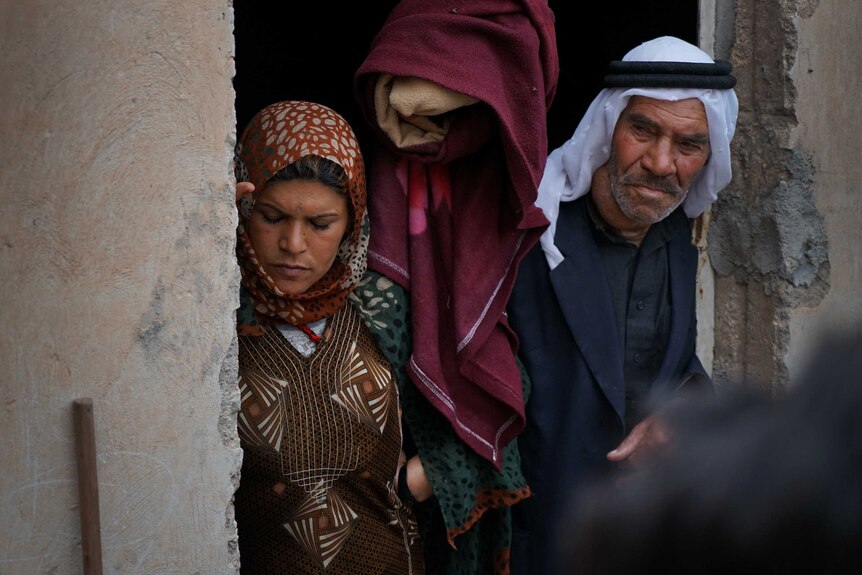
(628, 207)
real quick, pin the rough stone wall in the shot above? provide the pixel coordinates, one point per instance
(784, 220)
(119, 282)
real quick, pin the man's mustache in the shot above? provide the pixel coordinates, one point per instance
(663, 184)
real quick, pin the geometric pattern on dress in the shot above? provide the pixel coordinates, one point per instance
(321, 525)
(401, 517)
(366, 388)
(260, 419)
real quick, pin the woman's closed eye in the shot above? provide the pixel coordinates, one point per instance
(271, 219)
(320, 224)
(324, 221)
(269, 215)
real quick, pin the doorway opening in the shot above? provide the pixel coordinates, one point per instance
(310, 50)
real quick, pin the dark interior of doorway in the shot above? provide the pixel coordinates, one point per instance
(310, 50)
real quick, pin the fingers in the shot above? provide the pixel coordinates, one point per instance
(417, 481)
(643, 444)
(631, 442)
(243, 188)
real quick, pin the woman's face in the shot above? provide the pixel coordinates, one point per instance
(296, 227)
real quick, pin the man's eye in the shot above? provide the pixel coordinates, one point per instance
(691, 147)
(640, 129)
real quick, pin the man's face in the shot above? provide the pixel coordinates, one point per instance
(658, 148)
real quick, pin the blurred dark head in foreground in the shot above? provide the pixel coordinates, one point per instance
(751, 484)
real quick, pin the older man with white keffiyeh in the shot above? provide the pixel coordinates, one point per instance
(604, 307)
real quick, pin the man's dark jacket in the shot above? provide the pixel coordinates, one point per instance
(570, 348)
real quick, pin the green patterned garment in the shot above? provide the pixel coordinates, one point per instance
(473, 497)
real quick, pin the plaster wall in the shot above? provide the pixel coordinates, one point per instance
(715, 37)
(826, 71)
(118, 282)
(705, 294)
(783, 238)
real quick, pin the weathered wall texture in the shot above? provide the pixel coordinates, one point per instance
(828, 78)
(118, 281)
(785, 232)
(709, 32)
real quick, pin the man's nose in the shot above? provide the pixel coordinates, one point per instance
(660, 158)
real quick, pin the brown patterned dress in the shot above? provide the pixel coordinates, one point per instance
(321, 437)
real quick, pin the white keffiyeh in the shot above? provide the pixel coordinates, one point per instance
(569, 169)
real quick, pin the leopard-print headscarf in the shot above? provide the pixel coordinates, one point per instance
(276, 137)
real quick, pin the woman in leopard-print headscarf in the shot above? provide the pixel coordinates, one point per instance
(319, 418)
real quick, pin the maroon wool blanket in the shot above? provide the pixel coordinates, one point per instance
(451, 221)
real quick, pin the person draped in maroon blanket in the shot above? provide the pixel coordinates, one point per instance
(458, 98)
